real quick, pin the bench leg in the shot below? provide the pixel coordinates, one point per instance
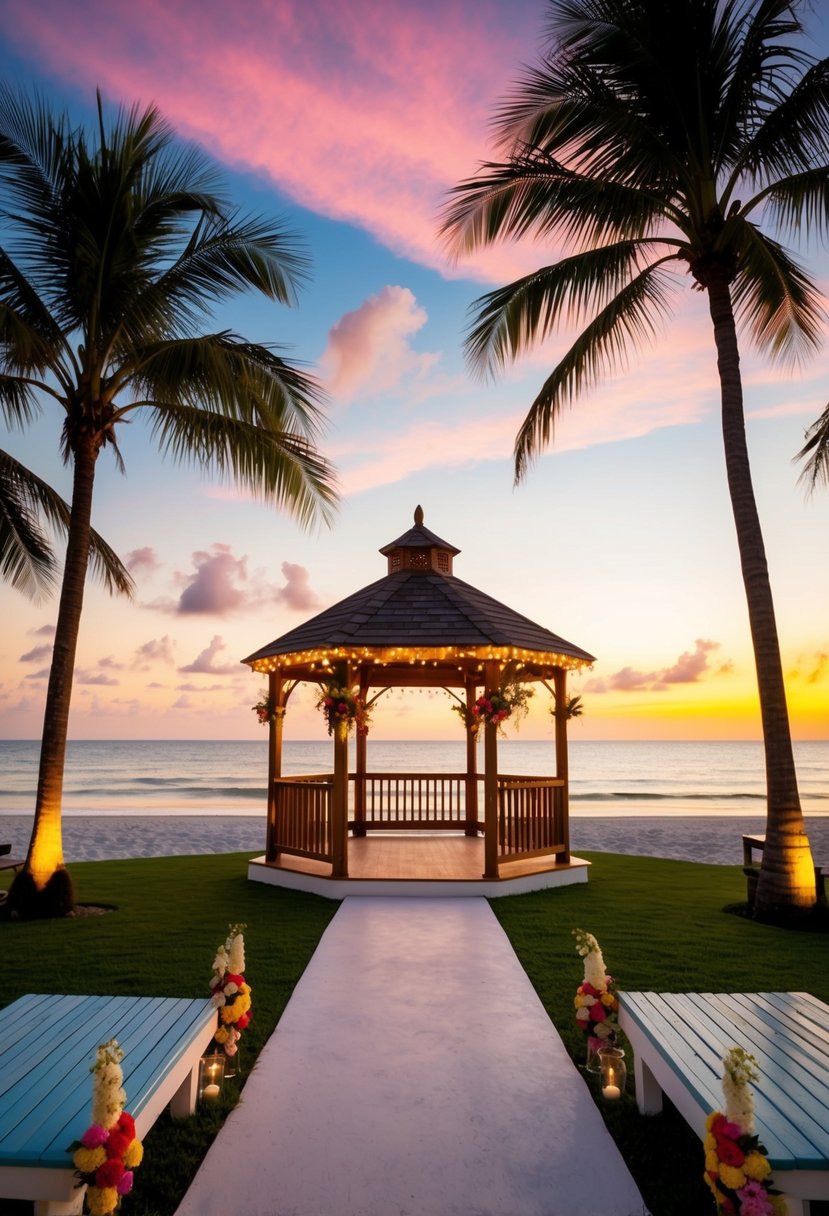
(183, 1101)
(60, 1207)
(648, 1089)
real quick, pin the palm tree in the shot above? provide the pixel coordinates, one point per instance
(656, 137)
(27, 561)
(117, 249)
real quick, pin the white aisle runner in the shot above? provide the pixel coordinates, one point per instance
(414, 1072)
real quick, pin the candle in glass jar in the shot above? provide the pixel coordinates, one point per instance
(211, 1092)
(611, 1091)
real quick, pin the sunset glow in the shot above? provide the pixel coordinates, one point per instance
(352, 122)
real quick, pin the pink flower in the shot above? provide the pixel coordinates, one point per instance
(94, 1136)
(598, 1013)
(124, 1185)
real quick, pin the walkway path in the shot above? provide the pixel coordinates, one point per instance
(414, 1072)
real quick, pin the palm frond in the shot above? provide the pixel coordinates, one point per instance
(535, 194)
(815, 453)
(23, 546)
(775, 299)
(514, 317)
(800, 203)
(273, 465)
(601, 348)
(26, 559)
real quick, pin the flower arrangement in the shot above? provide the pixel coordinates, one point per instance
(597, 1005)
(340, 704)
(265, 709)
(511, 698)
(108, 1152)
(736, 1166)
(230, 992)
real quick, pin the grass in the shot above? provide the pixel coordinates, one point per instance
(172, 913)
(660, 925)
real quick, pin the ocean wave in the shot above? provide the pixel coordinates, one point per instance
(639, 796)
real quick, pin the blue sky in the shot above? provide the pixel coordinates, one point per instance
(620, 539)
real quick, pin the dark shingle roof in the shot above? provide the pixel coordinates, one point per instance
(419, 609)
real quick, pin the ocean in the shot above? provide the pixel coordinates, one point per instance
(205, 777)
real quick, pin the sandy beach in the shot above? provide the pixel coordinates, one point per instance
(709, 838)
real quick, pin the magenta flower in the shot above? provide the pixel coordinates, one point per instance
(94, 1136)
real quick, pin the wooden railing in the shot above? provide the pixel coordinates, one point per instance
(532, 817)
(426, 801)
(300, 817)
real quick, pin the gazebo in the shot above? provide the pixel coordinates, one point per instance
(418, 627)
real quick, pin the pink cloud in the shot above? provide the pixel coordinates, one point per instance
(689, 668)
(297, 592)
(369, 350)
(213, 588)
(142, 560)
(37, 655)
(205, 663)
(366, 112)
(157, 650)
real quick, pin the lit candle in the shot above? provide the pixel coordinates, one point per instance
(611, 1091)
(211, 1092)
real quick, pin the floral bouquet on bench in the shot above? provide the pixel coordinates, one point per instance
(597, 1006)
(108, 1151)
(230, 991)
(736, 1167)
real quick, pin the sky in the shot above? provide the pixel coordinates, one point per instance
(350, 124)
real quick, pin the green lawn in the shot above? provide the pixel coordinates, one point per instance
(660, 925)
(172, 914)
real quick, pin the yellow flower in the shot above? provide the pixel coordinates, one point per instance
(87, 1160)
(709, 1122)
(221, 1034)
(245, 988)
(710, 1142)
(579, 1001)
(134, 1154)
(226, 1014)
(101, 1200)
(712, 1161)
(608, 1000)
(756, 1166)
(731, 1176)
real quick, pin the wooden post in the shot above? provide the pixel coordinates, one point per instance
(562, 765)
(361, 752)
(276, 694)
(471, 764)
(492, 676)
(339, 803)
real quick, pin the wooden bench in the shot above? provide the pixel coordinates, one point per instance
(7, 862)
(679, 1041)
(47, 1047)
(758, 842)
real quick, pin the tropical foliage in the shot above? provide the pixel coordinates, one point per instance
(652, 139)
(116, 249)
(27, 561)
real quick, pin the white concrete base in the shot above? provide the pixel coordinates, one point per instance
(414, 1072)
(342, 888)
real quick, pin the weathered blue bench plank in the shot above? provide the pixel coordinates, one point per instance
(679, 1040)
(47, 1047)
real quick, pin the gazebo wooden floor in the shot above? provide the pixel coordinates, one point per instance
(420, 858)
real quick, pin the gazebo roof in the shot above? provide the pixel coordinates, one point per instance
(418, 613)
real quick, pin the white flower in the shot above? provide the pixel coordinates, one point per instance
(582, 1015)
(219, 999)
(740, 1068)
(230, 989)
(605, 1029)
(236, 950)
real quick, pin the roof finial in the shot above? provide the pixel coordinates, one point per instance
(418, 516)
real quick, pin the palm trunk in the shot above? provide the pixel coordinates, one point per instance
(787, 876)
(43, 887)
